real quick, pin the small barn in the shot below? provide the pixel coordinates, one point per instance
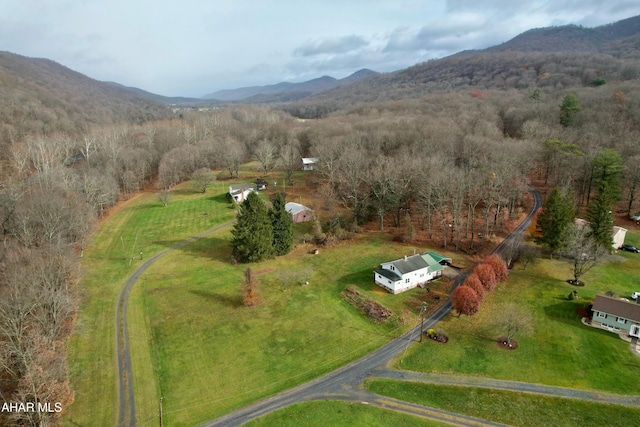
(299, 213)
(619, 234)
(308, 163)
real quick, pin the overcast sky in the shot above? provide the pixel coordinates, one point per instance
(194, 47)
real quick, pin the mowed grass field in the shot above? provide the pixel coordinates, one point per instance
(214, 355)
(141, 225)
(561, 350)
(516, 409)
(192, 341)
(337, 414)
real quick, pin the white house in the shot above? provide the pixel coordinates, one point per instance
(239, 192)
(308, 163)
(406, 273)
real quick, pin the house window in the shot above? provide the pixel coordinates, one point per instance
(621, 320)
(603, 315)
(392, 268)
(407, 281)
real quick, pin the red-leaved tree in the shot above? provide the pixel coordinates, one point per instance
(487, 276)
(499, 266)
(473, 281)
(465, 300)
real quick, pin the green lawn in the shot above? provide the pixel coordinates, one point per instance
(213, 355)
(191, 340)
(337, 413)
(516, 409)
(561, 351)
(91, 350)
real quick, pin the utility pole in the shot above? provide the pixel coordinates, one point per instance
(423, 310)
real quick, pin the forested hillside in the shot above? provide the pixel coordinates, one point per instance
(39, 96)
(448, 147)
(553, 58)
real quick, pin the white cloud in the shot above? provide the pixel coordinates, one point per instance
(192, 47)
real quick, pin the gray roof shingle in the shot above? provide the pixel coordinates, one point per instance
(617, 307)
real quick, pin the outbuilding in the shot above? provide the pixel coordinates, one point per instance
(299, 213)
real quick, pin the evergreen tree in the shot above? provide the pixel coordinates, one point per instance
(568, 109)
(557, 213)
(607, 168)
(600, 216)
(253, 234)
(282, 225)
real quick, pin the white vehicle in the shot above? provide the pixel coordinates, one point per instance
(635, 295)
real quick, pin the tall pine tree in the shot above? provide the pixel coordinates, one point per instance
(556, 215)
(282, 225)
(600, 216)
(253, 234)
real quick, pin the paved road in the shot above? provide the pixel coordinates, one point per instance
(346, 382)
(126, 397)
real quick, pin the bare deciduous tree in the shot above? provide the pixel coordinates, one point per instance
(202, 179)
(582, 250)
(512, 320)
(266, 155)
(164, 196)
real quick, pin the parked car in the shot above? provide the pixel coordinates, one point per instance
(635, 217)
(635, 295)
(629, 248)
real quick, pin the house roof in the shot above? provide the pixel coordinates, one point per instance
(309, 160)
(295, 208)
(389, 274)
(433, 264)
(617, 307)
(240, 187)
(439, 258)
(617, 230)
(410, 263)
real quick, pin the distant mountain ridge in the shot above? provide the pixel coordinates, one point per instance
(570, 37)
(287, 89)
(171, 100)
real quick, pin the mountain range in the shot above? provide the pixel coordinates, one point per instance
(42, 95)
(294, 90)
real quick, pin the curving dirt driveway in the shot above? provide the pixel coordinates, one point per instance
(126, 397)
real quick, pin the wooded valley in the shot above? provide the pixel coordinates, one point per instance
(449, 147)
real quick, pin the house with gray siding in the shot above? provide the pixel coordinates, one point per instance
(616, 315)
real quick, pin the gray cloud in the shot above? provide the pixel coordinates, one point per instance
(458, 31)
(329, 46)
(194, 47)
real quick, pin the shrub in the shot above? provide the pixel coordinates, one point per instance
(499, 267)
(487, 276)
(473, 281)
(465, 300)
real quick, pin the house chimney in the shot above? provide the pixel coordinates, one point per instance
(405, 257)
